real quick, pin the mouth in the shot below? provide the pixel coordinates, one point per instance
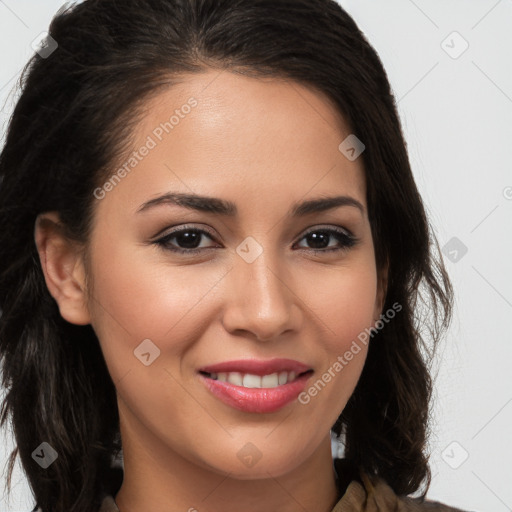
(256, 386)
(249, 380)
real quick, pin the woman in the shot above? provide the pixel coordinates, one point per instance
(214, 256)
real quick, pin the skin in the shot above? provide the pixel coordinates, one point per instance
(263, 144)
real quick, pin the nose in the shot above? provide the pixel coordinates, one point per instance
(260, 300)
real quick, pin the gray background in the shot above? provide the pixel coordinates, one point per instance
(456, 110)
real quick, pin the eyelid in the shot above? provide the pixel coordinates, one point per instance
(320, 227)
(178, 228)
(184, 227)
(350, 239)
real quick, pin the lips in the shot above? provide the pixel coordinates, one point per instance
(257, 367)
(256, 386)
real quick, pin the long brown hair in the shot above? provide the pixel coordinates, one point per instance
(75, 118)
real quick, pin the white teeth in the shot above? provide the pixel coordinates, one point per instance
(269, 381)
(235, 378)
(249, 380)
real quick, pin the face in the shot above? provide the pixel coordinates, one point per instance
(180, 286)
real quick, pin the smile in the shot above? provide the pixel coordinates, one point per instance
(256, 386)
(249, 380)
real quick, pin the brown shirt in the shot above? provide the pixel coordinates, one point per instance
(358, 493)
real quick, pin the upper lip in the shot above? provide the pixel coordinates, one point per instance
(257, 366)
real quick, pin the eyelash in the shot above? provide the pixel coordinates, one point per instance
(347, 240)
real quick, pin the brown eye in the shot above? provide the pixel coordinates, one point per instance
(319, 239)
(187, 240)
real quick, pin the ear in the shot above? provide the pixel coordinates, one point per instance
(382, 288)
(62, 267)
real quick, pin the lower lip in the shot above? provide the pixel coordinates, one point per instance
(259, 400)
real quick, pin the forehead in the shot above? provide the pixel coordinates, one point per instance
(260, 140)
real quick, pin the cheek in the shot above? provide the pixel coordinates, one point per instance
(345, 308)
(344, 302)
(136, 299)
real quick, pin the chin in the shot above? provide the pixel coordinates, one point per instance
(260, 471)
(252, 464)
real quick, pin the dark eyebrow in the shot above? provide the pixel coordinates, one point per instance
(228, 208)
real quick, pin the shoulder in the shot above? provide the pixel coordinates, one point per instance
(108, 504)
(365, 493)
(110, 488)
